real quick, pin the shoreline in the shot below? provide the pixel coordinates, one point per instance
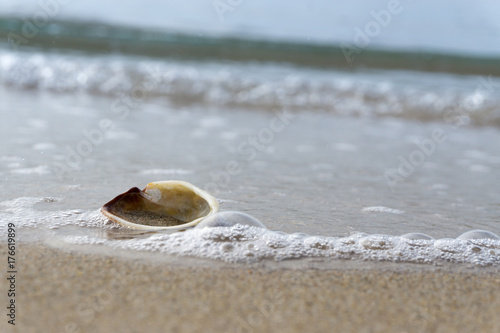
(63, 290)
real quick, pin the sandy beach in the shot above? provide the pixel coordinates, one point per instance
(74, 291)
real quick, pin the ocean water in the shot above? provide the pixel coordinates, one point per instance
(389, 152)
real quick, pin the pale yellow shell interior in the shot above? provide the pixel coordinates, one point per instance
(173, 205)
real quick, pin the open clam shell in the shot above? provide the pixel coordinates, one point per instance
(165, 205)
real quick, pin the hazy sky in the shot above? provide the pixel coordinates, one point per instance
(446, 25)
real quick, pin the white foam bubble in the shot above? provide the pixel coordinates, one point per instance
(341, 146)
(416, 235)
(22, 213)
(37, 123)
(12, 158)
(44, 146)
(229, 218)
(166, 172)
(38, 170)
(440, 186)
(478, 234)
(382, 209)
(212, 122)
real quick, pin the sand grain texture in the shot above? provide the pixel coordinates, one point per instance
(68, 291)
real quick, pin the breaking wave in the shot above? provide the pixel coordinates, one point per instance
(462, 100)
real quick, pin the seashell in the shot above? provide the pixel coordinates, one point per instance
(165, 205)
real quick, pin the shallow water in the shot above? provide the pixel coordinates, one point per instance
(319, 152)
(317, 173)
(308, 172)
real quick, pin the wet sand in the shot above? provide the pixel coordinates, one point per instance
(74, 291)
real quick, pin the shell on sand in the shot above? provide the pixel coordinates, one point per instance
(164, 205)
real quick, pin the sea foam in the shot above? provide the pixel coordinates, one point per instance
(250, 243)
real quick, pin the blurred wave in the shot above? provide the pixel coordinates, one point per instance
(95, 37)
(459, 100)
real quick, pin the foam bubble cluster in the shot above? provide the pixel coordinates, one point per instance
(21, 212)
(250, 243)
(242, 243)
